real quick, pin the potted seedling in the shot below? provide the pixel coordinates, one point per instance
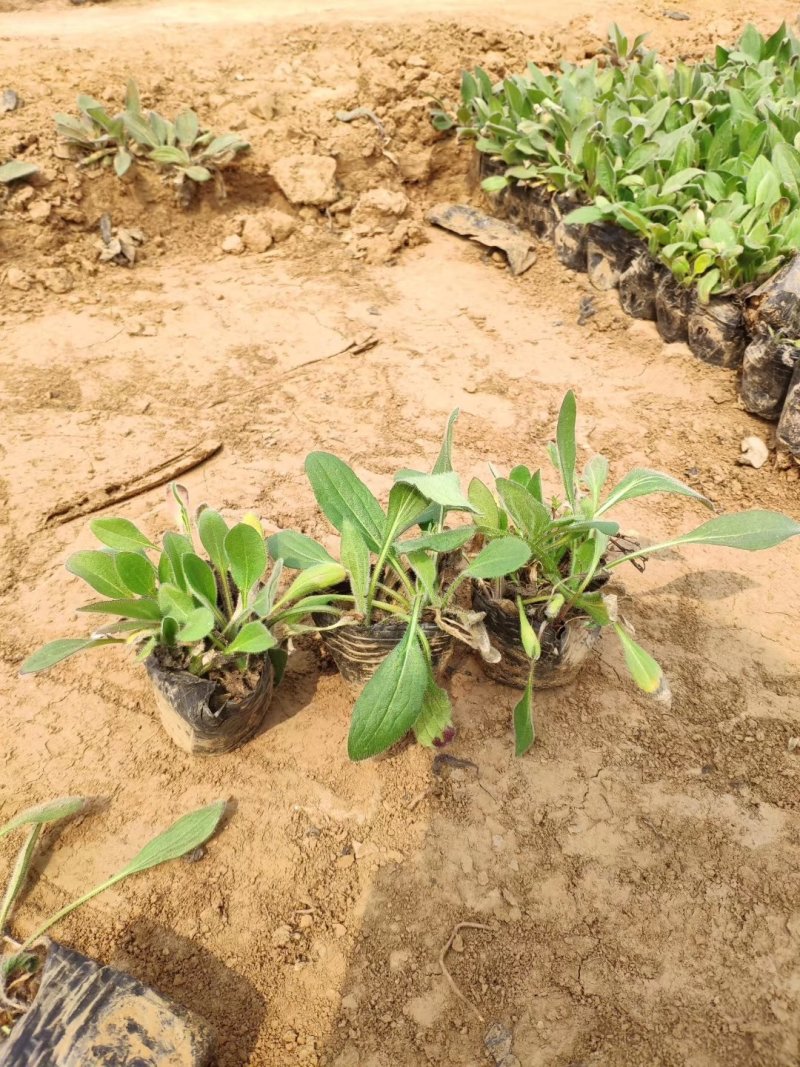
(391, 625)
(211, 629)
(58, 1006)
(545, 614)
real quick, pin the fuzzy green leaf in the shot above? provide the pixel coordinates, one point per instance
(565, 443)
(98, 569)
(136, 573)
(341, 494)
(524, 732)
(50, 811)
(247, 556)
(252, 638)
(643, 482)
(435, 717)
(499, 558)
(297, 550)
(56, 651)
(185, 835)
(643, 668)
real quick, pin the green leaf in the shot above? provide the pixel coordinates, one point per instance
(406, 506)
(213, 530)
(583, 216)
(247, 556)
(751, 531)
(253, 637)
(197, 625)
(56, 651)
(643, 668)
(444, 541)
(312, 579)
(176, 546)
(139, 130)
(565, 443)
(198, 174)
(354, 553)
(136, 573)
(435, 717)
(142, 608)
(170, 155)
(133, 102)
(499, 558)
(595, 475)
(188, 833)
(528, 636)
(392, 699)
(531, 518)
(443, 488)
(524, 731)
(175, 602)
(494, 183)
(752, 43)
(200, 579)
(444, 461)
(296, 550)
(121, 534)
(187, 127)
(487, 513)
(679, 180)
(15, 171)
(278, 658)
(50, 811)
(643, 482)
(424, 566)
(265, 597)
(341, 494)
(706, 284)
(98, 569)
(123, 161)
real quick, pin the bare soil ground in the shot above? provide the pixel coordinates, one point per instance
(637, 872)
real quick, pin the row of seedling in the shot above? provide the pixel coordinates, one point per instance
(517, 570)
(182, 149)
(681, 185)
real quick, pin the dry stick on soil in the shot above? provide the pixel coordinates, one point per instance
(446, 973)
(151, 479)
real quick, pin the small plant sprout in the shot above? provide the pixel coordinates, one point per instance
(181, 148)
(391, 577)
(206, 611)
(572, 546)
(185, 835)
(16, 171)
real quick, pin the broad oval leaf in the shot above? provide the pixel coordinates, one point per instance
(247, 556)
(197, 625)
(487, 513)
(442, 489)
(341, 494)
(15, 171)
(56, 651)
(297, 550)
(213, 530)
(137, 573)
(200, 578)
(176, 546)
(391, 701)
(188, 833)
(312, 579)
(142, 608)
(444, 541)
(499, 558)
(252, 638)
(175, 602)
(187, 127)
(530, 517)
(198, 174)
(98, 569)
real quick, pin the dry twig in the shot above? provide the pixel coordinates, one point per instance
(446, 973)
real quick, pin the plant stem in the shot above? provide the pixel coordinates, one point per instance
(67, 909)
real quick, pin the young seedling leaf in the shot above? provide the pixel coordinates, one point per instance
(198, 174)
(143, 608)
(354, 553)
(487, 513)
(424, 566)
(197, 625)
(444, 541)
(98, 570)
(341, 494)
(56, 651)
(176, 602)
(176, 546)
(391, 701)
(565, 443)
(15, 171)
(530, 517)
(312, 579)
(187, 127)
(524, 731)
(136, 573)
(751, 531)
(406, 505)
(296, 550)
(50, 811)
(253, 637)
(499, 558)
(442, 489)
(247, 557)
(595, 475)
(200, 579)
(641, 482)
(436, 717)
(213, 530)
(528, 636)
(643, 668)
(444, 461)
(265, 597)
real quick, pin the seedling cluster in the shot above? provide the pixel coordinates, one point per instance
(548, 554)
(701, 161)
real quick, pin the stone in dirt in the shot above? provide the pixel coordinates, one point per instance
(497, 1041)
(754, 452)
(18, 279)
(233, 244)
(255, 235)
(378, 210)
(56, 279)
(307, 179)
(281, 223)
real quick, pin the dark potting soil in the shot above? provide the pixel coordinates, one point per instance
(232, 684)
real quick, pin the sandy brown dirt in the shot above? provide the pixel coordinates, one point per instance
(638, 870)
